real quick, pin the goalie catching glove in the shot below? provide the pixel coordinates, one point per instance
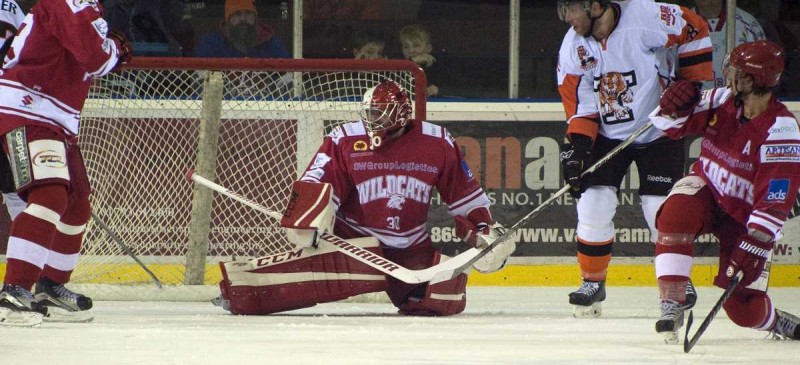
(310, 212)
(477, 231)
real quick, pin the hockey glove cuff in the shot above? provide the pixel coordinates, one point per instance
(574, 157)
(749, 256)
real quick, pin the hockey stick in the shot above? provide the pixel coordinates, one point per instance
(127, 249)
(687, 343)
(440, 272)
(510, 232)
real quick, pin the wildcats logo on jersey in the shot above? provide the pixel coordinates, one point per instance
(780, 153)
(726, 182)
(396, 188)
(614, 89)
(778, 190)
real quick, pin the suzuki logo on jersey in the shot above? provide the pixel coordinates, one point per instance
(726, 182)
(396, 188)
(778, 190)
(27, 100)
(780, 153)
(614, 90)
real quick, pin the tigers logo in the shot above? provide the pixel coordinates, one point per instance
(615, 96)
(588, 61)
(360, 146)
(396, 201)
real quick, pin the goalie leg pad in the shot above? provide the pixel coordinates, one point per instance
(298, 279)
(440, 299)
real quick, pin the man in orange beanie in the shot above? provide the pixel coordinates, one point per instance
(241, 35)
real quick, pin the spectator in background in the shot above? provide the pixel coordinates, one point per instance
(368, 45)
(747, 30)
(150, 24)
(416, 44)
(241, 35)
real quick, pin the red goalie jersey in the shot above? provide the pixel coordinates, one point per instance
(386, 192)
(752, 167)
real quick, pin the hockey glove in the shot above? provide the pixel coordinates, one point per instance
(123, 47)
(478, 235)
(749, 256)
(574, 158)
(309, 213)
(679, 99)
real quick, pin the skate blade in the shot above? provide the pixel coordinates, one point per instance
(671, 337)
(591, 311)
(9, 318)
(60, 315)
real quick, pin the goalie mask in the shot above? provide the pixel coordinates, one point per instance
(384, 110)
(761, 61)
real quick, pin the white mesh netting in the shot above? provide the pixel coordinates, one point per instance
(249, 129)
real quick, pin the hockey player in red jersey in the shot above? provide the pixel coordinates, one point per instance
(373, 181)
(614, 62)
(60, 47)
(741, 189)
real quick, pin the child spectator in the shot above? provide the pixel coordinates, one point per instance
(416, 44)
(368, 45)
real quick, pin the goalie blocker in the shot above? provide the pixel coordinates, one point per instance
(304, 277)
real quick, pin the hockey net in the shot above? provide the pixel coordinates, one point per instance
(250, 125)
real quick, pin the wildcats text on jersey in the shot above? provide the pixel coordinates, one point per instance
(396, 188)
(726, 182)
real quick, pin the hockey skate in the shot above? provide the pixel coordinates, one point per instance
(62, 304)
(671, 320)
(18, 308)
(691, 296)
(787, 326)
(588, 299)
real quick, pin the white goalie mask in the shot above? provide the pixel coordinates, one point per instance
(385, 109)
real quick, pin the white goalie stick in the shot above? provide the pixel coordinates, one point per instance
(442, 271)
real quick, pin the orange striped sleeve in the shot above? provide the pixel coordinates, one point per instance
(695, 50)
(585, 125)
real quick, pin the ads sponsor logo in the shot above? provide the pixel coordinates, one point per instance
(780, 153)
(49, 159)
(778, 190)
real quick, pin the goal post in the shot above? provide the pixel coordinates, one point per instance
(250, 124)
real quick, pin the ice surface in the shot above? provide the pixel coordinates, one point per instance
(502, 325)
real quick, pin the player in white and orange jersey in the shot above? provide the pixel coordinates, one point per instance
(373, 178)
(614, 62)
(60, 46)
(742, 188)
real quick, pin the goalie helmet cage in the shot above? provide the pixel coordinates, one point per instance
(250, 124)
